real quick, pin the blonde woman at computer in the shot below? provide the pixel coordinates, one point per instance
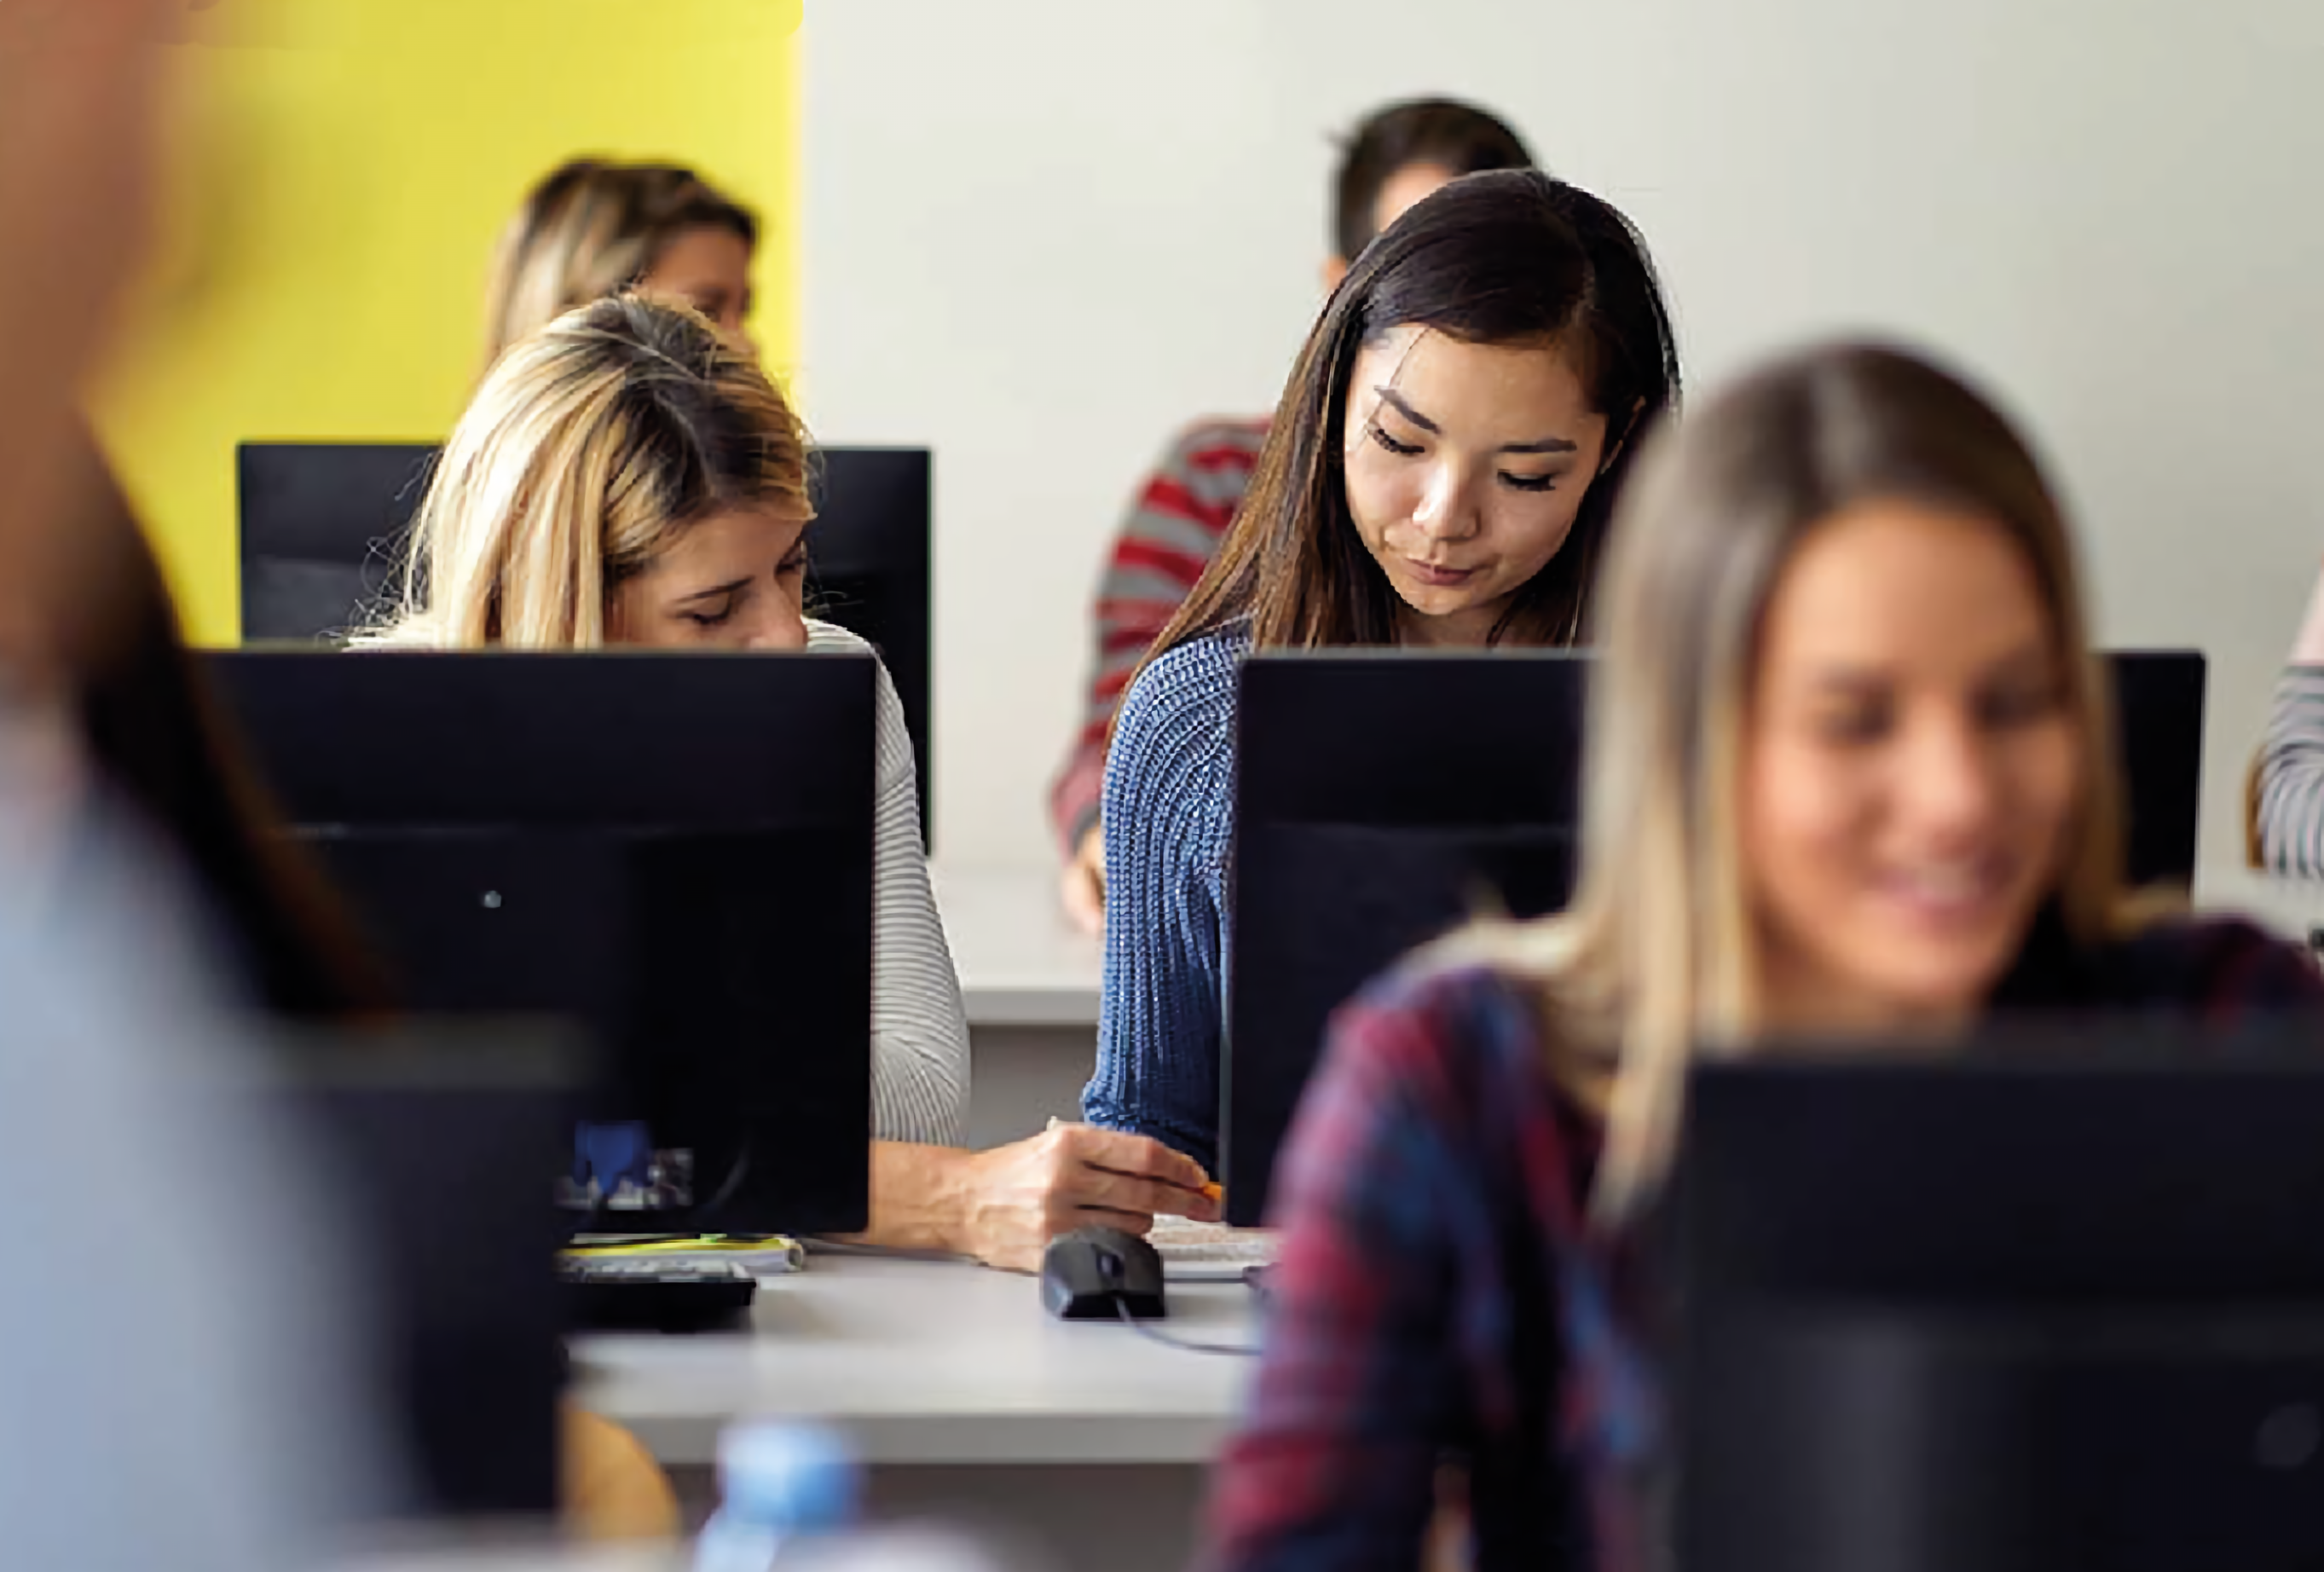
(1849, 773)
(630, 476)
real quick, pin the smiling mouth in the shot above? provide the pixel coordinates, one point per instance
(1429, 574)
(1968, 893)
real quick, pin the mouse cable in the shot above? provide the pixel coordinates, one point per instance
(1184, 1345)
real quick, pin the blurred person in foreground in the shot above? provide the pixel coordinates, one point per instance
(132, 742)
(221, 1434)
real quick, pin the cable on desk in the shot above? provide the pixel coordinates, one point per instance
(1184, 1345)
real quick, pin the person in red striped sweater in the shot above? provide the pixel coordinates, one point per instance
(1398, 154)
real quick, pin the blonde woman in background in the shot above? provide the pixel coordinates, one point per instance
(630, 476)
(1848, 775)
(594, 227)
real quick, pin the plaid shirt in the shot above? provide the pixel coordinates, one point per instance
(1439, 1299)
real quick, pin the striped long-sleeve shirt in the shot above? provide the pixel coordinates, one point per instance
(2291, 798)
(1169, 537)
(920, 1027)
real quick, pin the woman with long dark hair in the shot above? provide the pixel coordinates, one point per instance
(1440, 472)
(142, 737)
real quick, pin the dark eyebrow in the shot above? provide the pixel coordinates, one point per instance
(1395, 399)
(1546, 445)
(737, 586)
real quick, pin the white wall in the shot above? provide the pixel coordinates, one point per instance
(1040, 234)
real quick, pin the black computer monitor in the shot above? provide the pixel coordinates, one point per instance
(323, 525)
(322, 531)
(673, 851)
(2059, 1305)
(1382, 796)
(2158, 697)
(870, 570)
(437, 1140)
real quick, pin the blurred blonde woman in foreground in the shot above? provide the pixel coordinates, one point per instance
(630, 476)
(1849, 775)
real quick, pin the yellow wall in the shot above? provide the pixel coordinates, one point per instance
(347, 167)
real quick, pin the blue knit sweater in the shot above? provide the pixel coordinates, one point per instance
(1168, 813)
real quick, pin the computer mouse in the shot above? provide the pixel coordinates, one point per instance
(1101, 1273)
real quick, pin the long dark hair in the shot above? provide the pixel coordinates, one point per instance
(1509, 257)
(163, 744)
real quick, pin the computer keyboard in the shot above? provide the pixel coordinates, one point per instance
(1208, 1251)
(641, 1293)
(652, 1269)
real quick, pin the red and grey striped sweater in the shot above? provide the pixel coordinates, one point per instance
(1169, 536)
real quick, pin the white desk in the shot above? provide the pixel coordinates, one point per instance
(1084, 1441)
(1020, 962)
(933, 1362)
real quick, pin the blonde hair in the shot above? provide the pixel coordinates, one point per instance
(1656, 952)
(589, 446)
(590, 229)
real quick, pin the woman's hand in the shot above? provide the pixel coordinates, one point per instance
(1022, 1195)
(1084, 887)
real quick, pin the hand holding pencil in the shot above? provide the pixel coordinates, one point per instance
(1073, 1176)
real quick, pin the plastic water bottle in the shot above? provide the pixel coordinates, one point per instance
(781, 1483)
